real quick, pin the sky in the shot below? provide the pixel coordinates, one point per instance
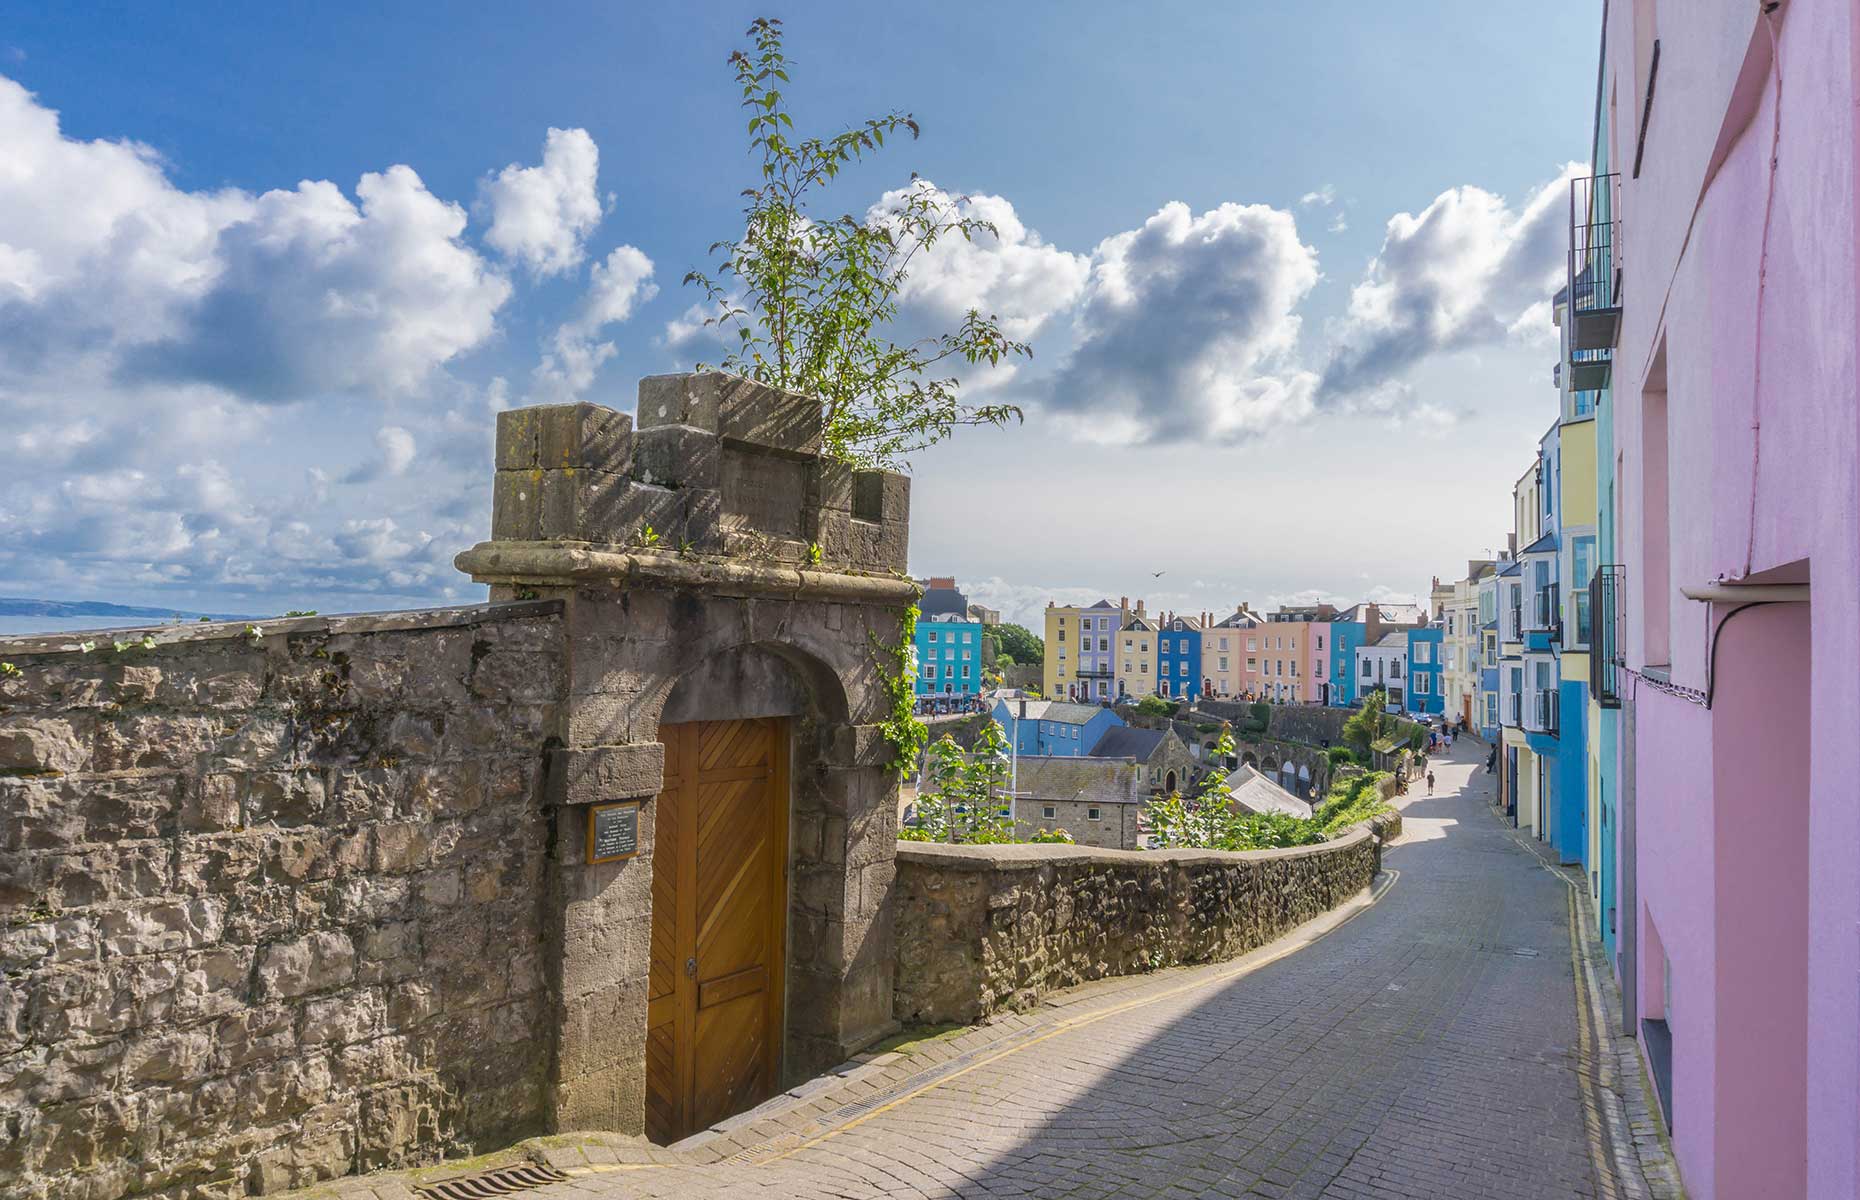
(267, 273)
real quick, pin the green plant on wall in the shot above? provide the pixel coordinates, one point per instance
(965, 797)
(807, 300)
(897, 676)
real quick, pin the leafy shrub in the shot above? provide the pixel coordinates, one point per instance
(1052, 836)
(1156, 706)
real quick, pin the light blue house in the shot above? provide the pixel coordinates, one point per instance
(949, 656)
(1052, 727)
(1346, 637)
(1425, 695)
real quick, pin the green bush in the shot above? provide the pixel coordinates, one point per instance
(1350, 801)
(1344, 756)
(1156, 706)
(1057, 836)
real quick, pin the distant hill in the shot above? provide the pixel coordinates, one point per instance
(14, 606)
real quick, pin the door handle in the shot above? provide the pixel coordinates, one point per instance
(690, 968)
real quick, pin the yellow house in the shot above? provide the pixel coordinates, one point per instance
(1080, 654)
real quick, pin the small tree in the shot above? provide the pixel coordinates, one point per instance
(1016, 643)
(808, 299)
(1370, 723)
(1156, 706)
(963, 794)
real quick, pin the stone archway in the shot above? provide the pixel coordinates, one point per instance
(785, 590)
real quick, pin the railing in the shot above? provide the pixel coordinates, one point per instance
(1547, 610)
(1607, 655)
(1514, 710)
(1544, 712)
(1594, 261)
(1514, 625)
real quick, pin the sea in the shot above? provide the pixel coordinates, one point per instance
(14, 626)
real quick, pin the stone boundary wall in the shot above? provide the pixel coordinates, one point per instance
(270, 907)
(986, 928)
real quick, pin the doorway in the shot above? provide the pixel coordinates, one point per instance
(714, 1024)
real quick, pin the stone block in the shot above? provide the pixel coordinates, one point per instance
(681, 399)
(768, 417)
(628, 511)
(313, 963)
(516, 505)
(830, 485)
(602, 773)
(855, 746)
(584, 437)
(703, 520)
(45, 744)
(881, 546)
(764, 493)
(517, 439)
(833, 533)
(678, 456)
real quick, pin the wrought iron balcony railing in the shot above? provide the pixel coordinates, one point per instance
(1607, 649)
(1547, 611)
(1514, 710)
(1594, 261)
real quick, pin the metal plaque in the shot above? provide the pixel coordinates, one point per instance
(613, 831)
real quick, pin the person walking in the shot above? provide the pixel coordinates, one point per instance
(1430, 783)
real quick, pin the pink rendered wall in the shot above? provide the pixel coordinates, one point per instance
(1761, 792)
(1807, 501)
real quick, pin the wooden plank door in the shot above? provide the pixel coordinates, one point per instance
(719, 924)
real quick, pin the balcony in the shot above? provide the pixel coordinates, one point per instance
(1544, 712)
(1514, 624)
(1547, 611)
(1514, 710)
(1607, 653)
(1594, 262)
(1589, 369)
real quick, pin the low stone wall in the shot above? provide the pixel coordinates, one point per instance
(985, 928)
(270, 906)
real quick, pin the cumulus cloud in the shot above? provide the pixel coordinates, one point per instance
(156, 347)
(1189, 329)
(1323, 197)
(1466, 270)
(576, 352)
(541, 215)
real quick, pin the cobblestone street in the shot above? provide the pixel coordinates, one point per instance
(1428, 1047)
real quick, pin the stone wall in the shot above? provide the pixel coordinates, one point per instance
(985, 928)
(269, 906)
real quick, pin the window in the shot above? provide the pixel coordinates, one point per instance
(1127, 645)
(1252, 643)
(1252, 664)
(1223, 662)
(1048, 812)
(949, 672)
(1162, 645)
(965, 670)
(1075, 733)
(1365, 668)
(1320, 641)
(933, 636)
(930, 671)
(1094, 814)
(1143, 668)
(1294, 668)
(1104, 644)
(1223, 643)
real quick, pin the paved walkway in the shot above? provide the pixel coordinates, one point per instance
(1429, 1047)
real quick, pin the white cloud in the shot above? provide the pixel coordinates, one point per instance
(393, 455)
(1188, 329)
(1339, 224)
(156, 345)
(1011, 274)
(541, 215)
(1323, 197)
(1465, 270)
(575, 354)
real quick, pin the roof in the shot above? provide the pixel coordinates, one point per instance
(1128, 741)
(1542, 545)
(1185, 624)
(1396, 639)
(1104, 604)
(1240, 620)
(1403, 614)
(1514, 568)
(1140, 624)
(937, 600)
(1087, 779)
(1258, 794)
(1056, 710)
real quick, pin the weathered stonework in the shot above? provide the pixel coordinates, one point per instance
(269, 907)
(985, 928)
(767, 585)
(277, 909)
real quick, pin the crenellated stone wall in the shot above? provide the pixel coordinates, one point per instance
(268, 905)
(986, 928)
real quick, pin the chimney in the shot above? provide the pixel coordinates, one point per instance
(1123, 602)
(942, 581)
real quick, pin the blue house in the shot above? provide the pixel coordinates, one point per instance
(1052, 727)
(949, 656)
(1425, 696)
(1178, 658)
(1346, 637)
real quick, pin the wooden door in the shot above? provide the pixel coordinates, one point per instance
(719, 924)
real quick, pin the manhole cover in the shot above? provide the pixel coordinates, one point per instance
(502, 1182)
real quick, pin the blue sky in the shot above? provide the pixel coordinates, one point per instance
(225, 390)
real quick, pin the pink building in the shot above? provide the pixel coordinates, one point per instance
(1729, 291)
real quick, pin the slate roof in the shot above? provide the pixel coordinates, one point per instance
(1139, 623)
(1086, 779)
(1258, 794)
(1128, 741)
(943, 600)
(1055, 710)
(1542, 545)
